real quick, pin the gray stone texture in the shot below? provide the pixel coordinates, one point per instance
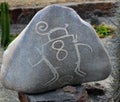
(57, 48)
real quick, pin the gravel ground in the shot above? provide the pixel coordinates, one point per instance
(111, 44)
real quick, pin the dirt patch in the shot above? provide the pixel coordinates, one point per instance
(26, 3)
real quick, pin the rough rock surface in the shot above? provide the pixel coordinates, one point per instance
(55, 49)
(110, 44)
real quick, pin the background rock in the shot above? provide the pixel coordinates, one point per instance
(51, 53)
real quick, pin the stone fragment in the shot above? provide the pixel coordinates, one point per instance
(57, 96)
(70, 89)
(57, 48)
(95, 89)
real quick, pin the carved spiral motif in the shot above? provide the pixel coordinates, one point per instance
(41, 27)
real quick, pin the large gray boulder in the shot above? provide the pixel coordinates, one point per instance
(57, 48)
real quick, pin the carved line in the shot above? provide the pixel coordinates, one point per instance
(42, 28)
(77, 69)
(33, 65)
(59, 50)
(81, 44)
(53, 70)
(55, 39)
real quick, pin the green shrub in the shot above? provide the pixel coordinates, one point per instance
(104, 30)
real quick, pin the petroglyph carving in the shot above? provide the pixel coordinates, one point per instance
(56, 48)
(59, 46)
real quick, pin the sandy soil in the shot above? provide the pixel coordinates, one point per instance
(25, 3)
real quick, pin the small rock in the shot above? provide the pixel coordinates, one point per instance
(96, 89)
(70, 89)
(57, 96)
(84, 97)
